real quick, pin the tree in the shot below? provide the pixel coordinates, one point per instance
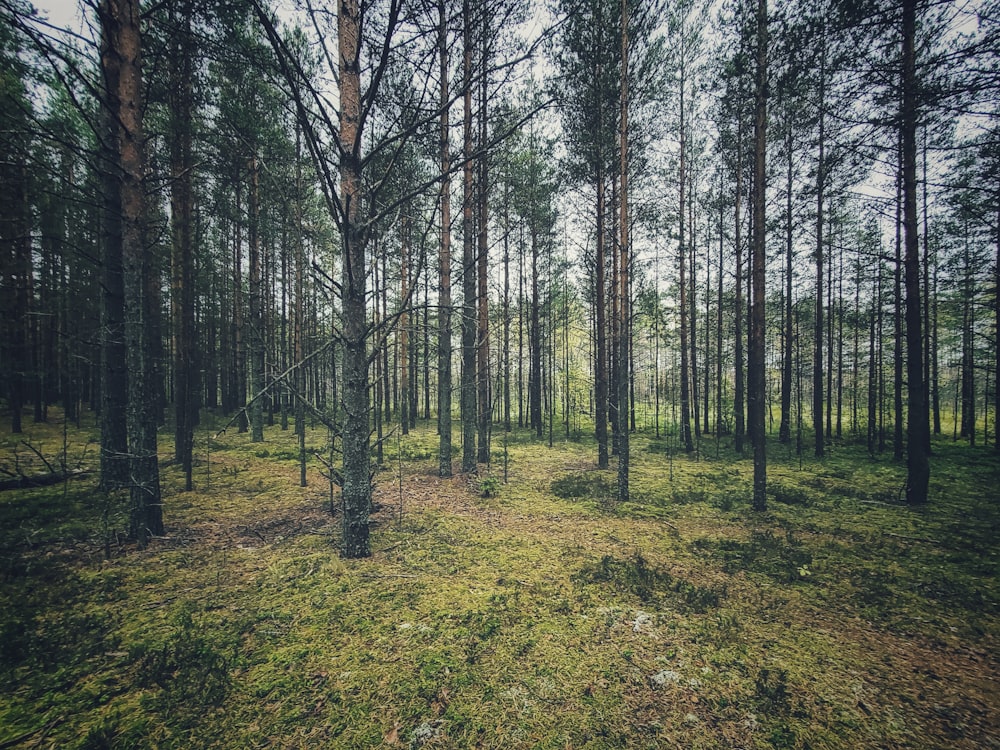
(182, 297)
(444, 256)
(588, 84)
(121, 63)
(756, 355)
(469, 266)
(15, 222)
(918, 429)
(624, 264)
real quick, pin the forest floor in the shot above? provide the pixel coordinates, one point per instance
(542, 615)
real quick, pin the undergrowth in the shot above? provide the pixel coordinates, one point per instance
(536, 612)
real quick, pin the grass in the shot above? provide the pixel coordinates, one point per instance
(534, 614)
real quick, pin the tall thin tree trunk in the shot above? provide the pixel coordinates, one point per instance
(918, 440)
(114, 374)
(469, 400)
(739, 393)
(403, 327)
(256, 406)
(685, 426)
(718, 320)
(182, 261)
(756, 364)
(356, 490)
(482, 196)
(785, 428)
(817, 414)
(535, 340)
(897, 326)
(444, 259)
(600, 325)
(623, 275)
(120, 25)
(693, 302)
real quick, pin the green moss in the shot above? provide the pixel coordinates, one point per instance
(511, 621)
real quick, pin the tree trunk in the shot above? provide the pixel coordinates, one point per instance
(918, 439)
(444, 260)
(685, 426)
(817, 414)
(897, 324)
(600, 339)
(121, 58)
(114, 375)
(623, 276)
(785, 428)
(256, 406)
(482, 197)
(469, 400)
(403, 327)
(181, 260)
(739, 393)
(356, 489)
(756, 364)
(535, 341)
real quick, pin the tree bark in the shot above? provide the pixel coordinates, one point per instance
(121, 57)
(623, 274)
(181, 259)
(756, 364)
(817, 415)
(469, 400)
(917, 463)
(356, 490)
(739, 395)
(785, 428)
(600, 331)
(114, 375)
(482, 259)
(685, 426)
(444, 260)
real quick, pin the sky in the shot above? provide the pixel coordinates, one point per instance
(64, 13)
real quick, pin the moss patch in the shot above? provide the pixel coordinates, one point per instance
(542, 615)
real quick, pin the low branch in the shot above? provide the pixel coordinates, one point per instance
(41, 480)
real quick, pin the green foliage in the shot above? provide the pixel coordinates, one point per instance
(489, 486)
(781, 559)
(588, 485)
(651, 584)
(189, 665)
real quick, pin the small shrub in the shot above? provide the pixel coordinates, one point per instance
(590, 485)
(764, 553)
(189, 668)
(789, 494)
(489, 486)
(649, 583)
(771, 691)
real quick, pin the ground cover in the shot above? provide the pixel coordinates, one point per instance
(536, 613)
